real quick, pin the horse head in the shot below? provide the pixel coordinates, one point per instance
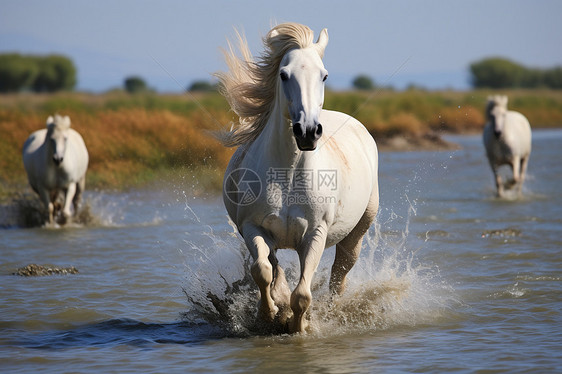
(57, 137)
(496, 111)
(301, 78)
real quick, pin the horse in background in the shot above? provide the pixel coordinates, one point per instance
(302, 177)
(56, 160)
(507, 139)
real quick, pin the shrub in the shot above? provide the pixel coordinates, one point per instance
(202, 86)
(39, 73)
(363, 82)
(16, 72)
(502, 73)
(135, 84)
(56, 73)
(496, 73)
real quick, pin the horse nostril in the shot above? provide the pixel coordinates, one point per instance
(318, 131)
(297, 130)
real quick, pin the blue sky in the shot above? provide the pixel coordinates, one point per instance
(173, 43)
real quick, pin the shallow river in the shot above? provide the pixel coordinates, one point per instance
(450, 279)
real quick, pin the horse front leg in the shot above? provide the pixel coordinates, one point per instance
(280, 291)
(524, 162)
(260, 247)
(310, 252)
(80, 186)
(45, 197)
(499, 182)
(68, 198)
(516, 169)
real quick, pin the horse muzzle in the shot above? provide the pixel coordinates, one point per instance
(57, 160)
(307, 137)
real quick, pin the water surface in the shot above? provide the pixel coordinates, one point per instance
(451, 279)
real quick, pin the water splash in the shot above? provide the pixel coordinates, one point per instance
(26, 210)
(388, 287)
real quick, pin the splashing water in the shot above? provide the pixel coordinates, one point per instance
(26, 210)
(385, 289)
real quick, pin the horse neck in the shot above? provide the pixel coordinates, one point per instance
(277, 136)
(48, 146)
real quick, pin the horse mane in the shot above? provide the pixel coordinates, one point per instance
(250, 86)
(59, 122)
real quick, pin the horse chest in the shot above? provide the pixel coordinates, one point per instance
(287, 229)
(56, 177)
(502, 151)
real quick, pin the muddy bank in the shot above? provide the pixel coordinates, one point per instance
(408, 143)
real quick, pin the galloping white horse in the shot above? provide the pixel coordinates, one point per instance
(507, 139)
(303, 177)
(56, 160)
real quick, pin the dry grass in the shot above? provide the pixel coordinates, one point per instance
(126, 147)
(133, 139)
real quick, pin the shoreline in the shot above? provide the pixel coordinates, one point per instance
(135, 140)
(210, 179)
(429, 142)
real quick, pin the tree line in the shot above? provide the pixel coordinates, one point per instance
(48, 73)
(55, 72)
(495, 73)
(499, 72)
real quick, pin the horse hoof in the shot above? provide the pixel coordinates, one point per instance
(284, 315)
(298, 326)
(267, 315)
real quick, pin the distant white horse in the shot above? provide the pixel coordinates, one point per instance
(56, 160)
(507, 138)
(303, 177)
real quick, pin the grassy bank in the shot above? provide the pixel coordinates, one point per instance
(134, 139)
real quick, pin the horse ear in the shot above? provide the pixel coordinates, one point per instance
(67, 121)
(50, 120)
(504, 101)
(322, 42)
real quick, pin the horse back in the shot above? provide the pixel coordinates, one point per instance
(518, 133)
(33, 142)
(32, 155)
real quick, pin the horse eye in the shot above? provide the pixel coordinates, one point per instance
(284, 76)
(325, 77)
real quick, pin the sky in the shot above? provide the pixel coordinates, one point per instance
(171, 44)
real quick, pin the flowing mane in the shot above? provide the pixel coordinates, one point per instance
(250, 86)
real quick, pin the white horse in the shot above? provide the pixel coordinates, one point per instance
(507, 139)
(302, 178)
(56, 160)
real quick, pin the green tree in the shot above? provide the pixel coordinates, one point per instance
(497, 72)
(56, 73)
(135, 84)
(363, 82)
(202, 86)
(16, 72)
(553, 78)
